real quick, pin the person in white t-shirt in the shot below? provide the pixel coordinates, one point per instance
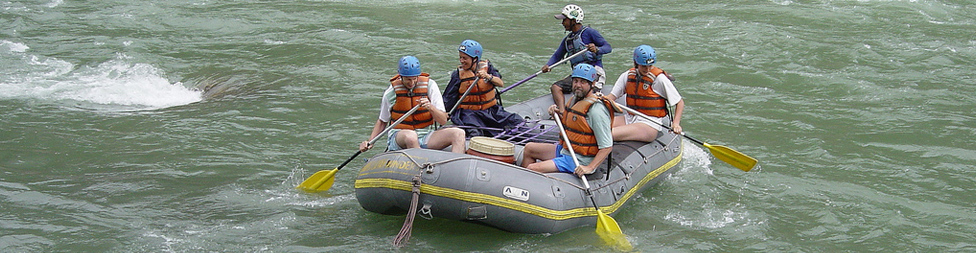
(649, 90)
(408, 89)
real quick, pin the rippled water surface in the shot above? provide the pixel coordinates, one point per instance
(184, 126)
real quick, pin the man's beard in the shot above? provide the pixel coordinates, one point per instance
(580, 93)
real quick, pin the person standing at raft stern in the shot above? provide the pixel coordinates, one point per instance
(649, 90)
(408, 89)
(587, 122)
(579, 38)
(482, 106)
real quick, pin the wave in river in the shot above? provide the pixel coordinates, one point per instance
(117, 84)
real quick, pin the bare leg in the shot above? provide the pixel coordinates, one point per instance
(407, 139)
(537, 151)
(634, 132)
(442, 138)
(547, 166)
(618, 121)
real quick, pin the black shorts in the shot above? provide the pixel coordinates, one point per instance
(566, 84)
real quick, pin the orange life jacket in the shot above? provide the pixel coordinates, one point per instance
(641, 97)
(581, 136)
(406, 99)
(482, 96)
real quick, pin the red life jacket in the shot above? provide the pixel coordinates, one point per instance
(406, 99)
(482, 96)
(640, 95)
(581, 136)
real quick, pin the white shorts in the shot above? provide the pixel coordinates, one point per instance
(631, 119)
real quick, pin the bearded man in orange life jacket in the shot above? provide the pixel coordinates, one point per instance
(649, 90)
(408, 89)
(481, 108)
(587, 121)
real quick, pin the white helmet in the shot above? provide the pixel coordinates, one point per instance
(571, 11)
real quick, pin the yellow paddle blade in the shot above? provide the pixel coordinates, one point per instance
(739, 160)
(320, 181)
(609, 231)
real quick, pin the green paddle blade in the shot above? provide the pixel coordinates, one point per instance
(735, 158)
(320, 181)
(609, 231)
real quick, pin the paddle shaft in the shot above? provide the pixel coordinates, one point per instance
(648, 118)
(377, 137)
(540, 71)
(731, 156)
(572, 153)
(456, 104)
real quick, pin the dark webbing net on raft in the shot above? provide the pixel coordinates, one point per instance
(525, 132)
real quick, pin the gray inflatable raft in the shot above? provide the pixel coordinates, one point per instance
(506, 196)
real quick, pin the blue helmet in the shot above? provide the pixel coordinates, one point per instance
(409, 66)
(644, 55)
(585, 71)
(470, 48)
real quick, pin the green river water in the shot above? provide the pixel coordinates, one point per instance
(861, 114)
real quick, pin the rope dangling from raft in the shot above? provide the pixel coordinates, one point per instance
(404, 235)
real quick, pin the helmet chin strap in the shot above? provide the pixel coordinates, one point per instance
(474, 64)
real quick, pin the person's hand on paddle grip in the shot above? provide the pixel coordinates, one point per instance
(583, 170)
(592, 47)
(363, 146)
(425, 103)
(553, 110)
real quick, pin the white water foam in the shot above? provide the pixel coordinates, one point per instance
(117, 84)
(695, 160)
(54, 3)
(13, 46)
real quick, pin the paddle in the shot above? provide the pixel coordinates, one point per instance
(540, 71)
(606, 226)
(728, 155)
(322, 180)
